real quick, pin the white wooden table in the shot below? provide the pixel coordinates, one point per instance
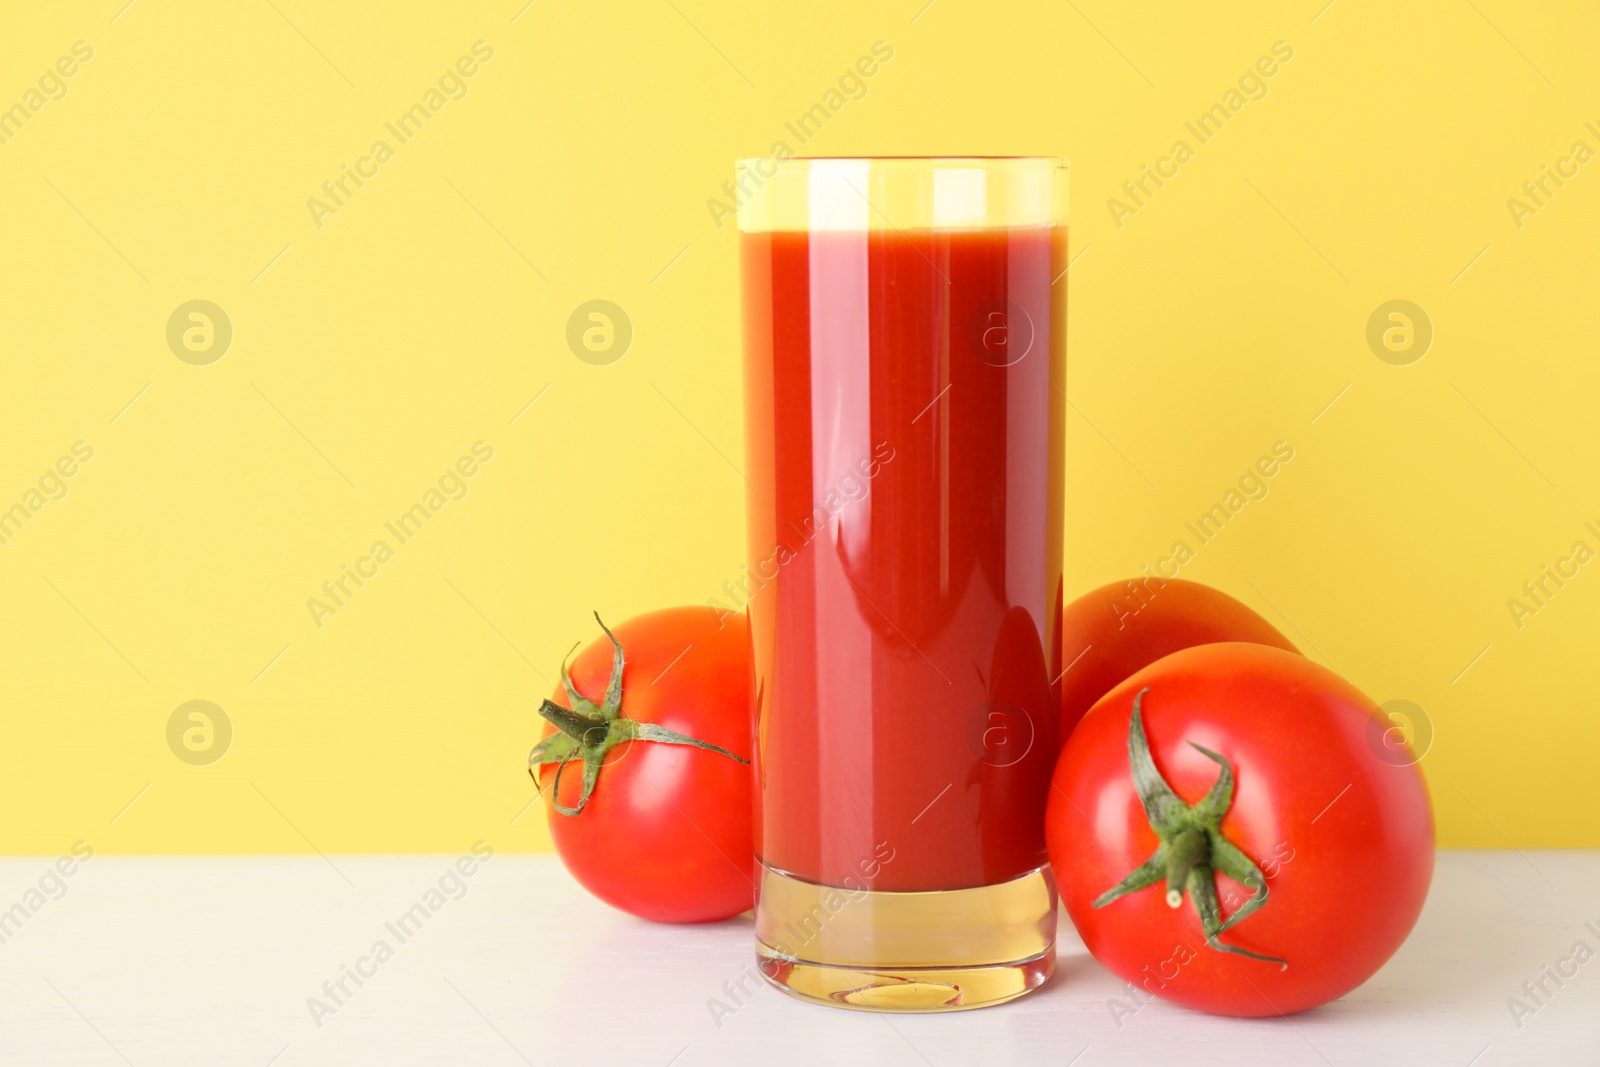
(195, 960)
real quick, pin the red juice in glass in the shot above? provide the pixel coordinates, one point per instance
(904, 334)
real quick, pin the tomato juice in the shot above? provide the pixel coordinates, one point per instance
(904, 392)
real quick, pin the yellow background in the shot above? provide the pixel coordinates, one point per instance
(425, 315)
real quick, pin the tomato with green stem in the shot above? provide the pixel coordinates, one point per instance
(1245, 779)
(644, 766)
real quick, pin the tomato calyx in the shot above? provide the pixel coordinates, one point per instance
(588, 731)
(1193, 847)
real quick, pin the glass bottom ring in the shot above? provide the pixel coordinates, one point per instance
(949, 950)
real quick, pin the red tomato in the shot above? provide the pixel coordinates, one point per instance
(665, 833)
(1124, 626)
(1340, 832)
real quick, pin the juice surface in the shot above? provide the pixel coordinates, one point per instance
(904, 425)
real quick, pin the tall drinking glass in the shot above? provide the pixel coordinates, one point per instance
(905, 353)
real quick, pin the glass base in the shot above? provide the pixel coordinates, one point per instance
(945, 950)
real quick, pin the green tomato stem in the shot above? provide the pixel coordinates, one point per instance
(588, 731)
(1193, 846)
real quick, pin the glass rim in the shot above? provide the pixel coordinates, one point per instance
(969, 160)
(864, 193)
